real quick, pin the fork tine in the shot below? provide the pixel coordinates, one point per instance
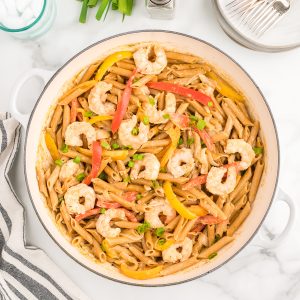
(252, 13)
(240, 8)
(270, 24)
(264, 14)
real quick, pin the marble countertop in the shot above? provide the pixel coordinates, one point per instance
(256, 273)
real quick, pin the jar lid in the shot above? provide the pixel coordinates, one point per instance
(160, 2)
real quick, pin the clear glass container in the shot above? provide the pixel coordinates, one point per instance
(39, 26)
(161, 9)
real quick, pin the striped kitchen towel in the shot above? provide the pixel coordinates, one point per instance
(25, 271)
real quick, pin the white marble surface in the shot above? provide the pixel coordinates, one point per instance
(267, 274)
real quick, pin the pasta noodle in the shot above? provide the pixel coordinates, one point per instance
(152, 168)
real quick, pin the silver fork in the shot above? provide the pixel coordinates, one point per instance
(259, 15)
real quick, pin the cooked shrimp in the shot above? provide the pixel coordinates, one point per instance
(181, 163)
(75, 193)
(157, 116)
(214, 180)
(242, 147)
(172, 254)
(76, 129)
(102, 134)
(97, 99)
(103, 226)
(155, 208)
(126, 137)
(144, 65)
(69, 169)
(150, 165)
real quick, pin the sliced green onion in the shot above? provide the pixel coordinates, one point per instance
(211, 256)
(58, 162)
(159, 231)
(76, 160)
(64, 148)
(161, 241)
(151, 100)
(92, 3)
(80, 177)
(201, 124)
(125, 7)
(114, 4)
(166, 116)
(102, 211)
(115, 146)
(155, 184)
(143, 228)
(258, 150)
(88, 114)
(127, 179)
(135, 131)
(105, 145)
(217, 238)
(146, 120)
(130, 164)
(209, 104)
(137, 156)
(139, 196)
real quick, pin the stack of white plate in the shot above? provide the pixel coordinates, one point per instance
(284, 35)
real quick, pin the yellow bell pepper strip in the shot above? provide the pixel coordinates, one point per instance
(99, 119)
(123, 104)
(175, 203)
(174, 134)
(141, 275)
(224, 88)
(96, 162)
(109, 61)
(164, 246)
(108, 250)
(50, 143)
(198, 210)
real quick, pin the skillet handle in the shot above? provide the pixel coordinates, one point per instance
(276, 241)
(16, 97)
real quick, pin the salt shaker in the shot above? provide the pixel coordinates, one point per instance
(161, 9)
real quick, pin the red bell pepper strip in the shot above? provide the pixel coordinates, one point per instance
(180, 90)
(198, 228)
(106, 204)
(129, 215)
(73, 113)
(88, 213)
(195, 182)
(130, 196)
(235, 164)
(123, 104)
(96, 162)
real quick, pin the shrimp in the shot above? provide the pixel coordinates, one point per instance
(97, 99)
(154, 208)
(172, 254)
(144, 65)
(103, 226)
(242, 147)
(214, 180)
(157, 116)
(126, 137)
(69, 169)
(150, 165)
(73, 195)
(181, 163)
(102, 134)
(76, 129)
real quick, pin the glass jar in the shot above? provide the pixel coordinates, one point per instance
(39, 26)
(161, 9)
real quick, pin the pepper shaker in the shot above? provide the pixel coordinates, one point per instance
(161, 9)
